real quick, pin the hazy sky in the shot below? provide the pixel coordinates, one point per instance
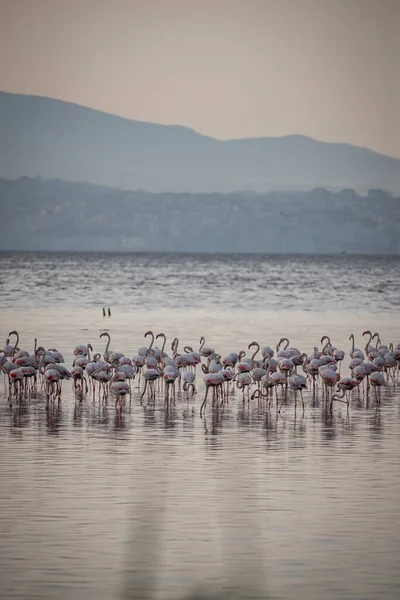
(228, 68)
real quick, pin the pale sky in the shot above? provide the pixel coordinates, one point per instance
(329, 69)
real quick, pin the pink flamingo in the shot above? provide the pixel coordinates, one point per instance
(211, 380)
(119, 388)
(377, 380)
(338, 398)
(355, 352)
(205, 350)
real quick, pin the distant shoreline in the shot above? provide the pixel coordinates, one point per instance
(205, 253)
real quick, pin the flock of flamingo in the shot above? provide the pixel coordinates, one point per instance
(265, 370)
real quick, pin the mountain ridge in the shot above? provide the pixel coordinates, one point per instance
(178, 126)
(56, 138)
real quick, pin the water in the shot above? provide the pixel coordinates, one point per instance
(149, 281)
(303, 507)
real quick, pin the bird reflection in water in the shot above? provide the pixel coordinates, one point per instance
(242, 570)
(53, 418)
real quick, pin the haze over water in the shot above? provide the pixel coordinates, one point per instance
(304, 507)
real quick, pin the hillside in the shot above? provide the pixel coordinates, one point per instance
(58, 215)
(56, 139)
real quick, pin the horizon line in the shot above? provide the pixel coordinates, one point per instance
(343, 253)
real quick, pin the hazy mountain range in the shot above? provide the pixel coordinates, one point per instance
(56, 215)
(56, 139)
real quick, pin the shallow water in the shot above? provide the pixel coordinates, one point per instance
(303, 506)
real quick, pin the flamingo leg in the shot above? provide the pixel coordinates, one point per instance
(144, 390)
(204, 401)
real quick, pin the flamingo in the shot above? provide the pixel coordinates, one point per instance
(150, 360)
(267, 352)
(51, 376)
(188, 381)
(196, 355)
(369, 368)
(270, 381)
(143, 351)
(257, 373)
(79, 379)
(169, 376)
(8, 349)
(205, 350)
(338, 398)
(267, 382)
(284, 353)
(244, 365)
(80, 350)
(312, 367)
(355, 352)
(95, 365)
(379, 363)
(103, 376)
(356, 362)
(82, 359)
(228, 375)
(29, 373)
(368, 348)
(164, 337)
(229, 361)
(150, 376)
(254, 363)
(327, 349)
(128, 370)
(243, 380)
(7, 366)
(190, 361)
(390, 363)
(57, 356)
(298, 383)
(339, 355)
(64, 372)
(16, 377)
(377, 380)
(316, 354)
(138, 362)
(348, 383)
(15, 348)
(299, 359)
(119, 388)
(109, 356)
(327, 359)
(285, 365)
(329, 376)
(258, 394)
(215, 364)
(214, 380)
(359, 373)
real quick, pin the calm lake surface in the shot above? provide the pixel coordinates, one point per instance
(94, 502)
